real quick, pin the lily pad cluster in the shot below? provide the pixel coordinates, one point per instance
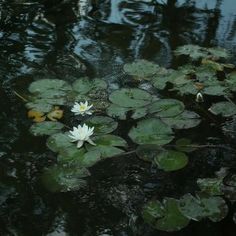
(153, 123)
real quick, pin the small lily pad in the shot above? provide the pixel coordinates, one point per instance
(47, 86)
(46, 128)
(64, 179)
(211, 186)
(84, 85)
(141, 69)
(107, 145)
(166, 108)
(226, 109)
(101, 124)
(185, 145)
(165, 216)
(130, 97)
(59, 141)
(151, 131)
(170, 160)
(185, 120)
(199, 207)
(148, 152)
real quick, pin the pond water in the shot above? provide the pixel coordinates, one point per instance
(71, 39)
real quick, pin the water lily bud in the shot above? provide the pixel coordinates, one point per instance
(199, 97)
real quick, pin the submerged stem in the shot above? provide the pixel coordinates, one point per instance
(20, 96)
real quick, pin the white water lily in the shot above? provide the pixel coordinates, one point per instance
(82, 134)
(82, 108)
(199, 97)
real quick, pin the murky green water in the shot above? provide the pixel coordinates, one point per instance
(60, 39)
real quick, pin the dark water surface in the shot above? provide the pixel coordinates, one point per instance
(62, 39)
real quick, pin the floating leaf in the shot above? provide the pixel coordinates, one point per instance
(193, 51)
(169, 160)
(166, 216)
(211, 186)
(118, 112)
(185, 120)
(166, 108)
(107, 145)
(148, 152)
(63, 179)
(130, 97)
(218, 53)
(225, 109)
(185, 145)
(55, 115)
(101, 124)
(46, 128)
(49, 88)
(59, 141)
(85, 85)
(141, 69)
(197, 208)
(151, 131)
(152, 211)
(36, 116)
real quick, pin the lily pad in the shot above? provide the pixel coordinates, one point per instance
(165, 216)
(101, 124)
(117, 112)
(148, 152)
(152, 211)
(59, 141)
(46, 128)
(211, 186)
(170, 160)
(84, 85)
(185, 145)
(226, 109)
(130, 97)
(64, 179)
(141, 69)
(195, 52)
(166, 108)
(185, 120)
(107, 145)
(49, 88)
(151, 131)
(197, 208)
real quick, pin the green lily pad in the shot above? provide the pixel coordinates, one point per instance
(101, 124)
(185, 120)
(59, 141)
(197, 208)
(216, 90)
(211, 186)
(148, 152)
(141, 69)
(130, 97)
(151, 131)
(46, 128)
(166, 108)
(169, 160)
(152, 211)
(49, 88)
(185, 145)
(117, 112)
(231, 81)
(107, 145)
(218, 53)
(71, 154)
(191, 207)
(172, 219)
(40, 106)
(64, 179)
(195, 52)
(84, 85)
(226, 109)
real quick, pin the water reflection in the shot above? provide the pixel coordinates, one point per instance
(59, 38)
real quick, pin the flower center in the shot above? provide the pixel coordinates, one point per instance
(82, 108)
